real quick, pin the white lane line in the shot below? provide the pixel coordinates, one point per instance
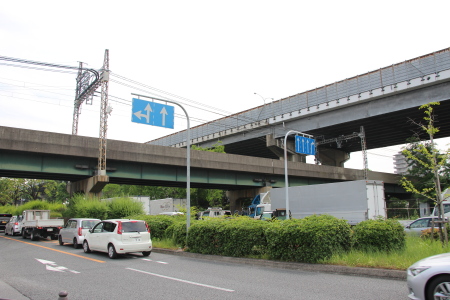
(156, 261)
(181, 280)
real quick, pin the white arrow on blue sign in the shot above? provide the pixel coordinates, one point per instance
(304, 145)
(152, 113)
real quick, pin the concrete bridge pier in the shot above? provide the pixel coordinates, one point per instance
(333, 157)
(238, 197)
(92, 186)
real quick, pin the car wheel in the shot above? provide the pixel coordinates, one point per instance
(61, 243)
(12, 232)
(33, 236)
(6, 232)
(439, 285)
(24, 234)
(112, 251)
(86, 248)
(75, 243)
(146, 253)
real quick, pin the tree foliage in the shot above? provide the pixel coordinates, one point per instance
(16, 191)
(419, 158)
(427, 165)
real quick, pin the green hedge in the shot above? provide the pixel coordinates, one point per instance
(240, 236)
(308, 240)
(158, 224)
(177, 232)
(379, 235)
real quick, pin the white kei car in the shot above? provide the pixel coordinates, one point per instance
(119, 236)
(75, 229)
(429, 278)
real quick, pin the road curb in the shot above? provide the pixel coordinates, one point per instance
(344, 270)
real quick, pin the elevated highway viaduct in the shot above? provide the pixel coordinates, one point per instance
(384, 102)
(46, 155)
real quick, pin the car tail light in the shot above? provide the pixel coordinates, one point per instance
(80, 231)
(17, 223)
(119, 227)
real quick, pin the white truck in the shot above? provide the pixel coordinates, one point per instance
(156, 207)
(37, 224)
(445, 196)
(354, 201)
(213, 212)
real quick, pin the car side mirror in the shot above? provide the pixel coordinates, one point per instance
(90, 230)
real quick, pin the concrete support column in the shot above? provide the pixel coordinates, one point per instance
(333, 157)
(236, 195)
(92, 186)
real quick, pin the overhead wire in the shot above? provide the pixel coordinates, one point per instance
(132, 84)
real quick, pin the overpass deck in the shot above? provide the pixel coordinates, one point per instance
(37, 154)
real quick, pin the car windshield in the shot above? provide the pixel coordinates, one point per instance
(87, 224)
(133, 227)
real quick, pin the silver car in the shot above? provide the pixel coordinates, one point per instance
(14, 226)
(429, 278)
(74, 231)
(421, 224)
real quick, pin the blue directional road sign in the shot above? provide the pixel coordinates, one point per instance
(304, 145)
(152, 113)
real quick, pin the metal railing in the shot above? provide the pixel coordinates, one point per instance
(420, 67)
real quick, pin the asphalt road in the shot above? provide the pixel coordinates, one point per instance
(41, 269)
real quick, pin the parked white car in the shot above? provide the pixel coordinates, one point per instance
(75, 229)
(14, 226)
(429, 278)
(119, 236)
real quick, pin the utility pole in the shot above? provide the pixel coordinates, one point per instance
(339, 140)
(104, 112)
(84, 91)
(362, 135)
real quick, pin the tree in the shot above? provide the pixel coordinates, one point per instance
(419, 171)
(428, 156)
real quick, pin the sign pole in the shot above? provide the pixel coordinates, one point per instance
(286, 182)
(188, 160)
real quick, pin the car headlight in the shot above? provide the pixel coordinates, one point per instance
(417, 270)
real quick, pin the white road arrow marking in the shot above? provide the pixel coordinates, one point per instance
(156, 261)
(52, 266)
(164, 114)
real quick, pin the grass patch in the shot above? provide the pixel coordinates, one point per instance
(165, 244)
(416, 249)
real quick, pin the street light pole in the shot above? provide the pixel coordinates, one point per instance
(286, 182)
(264, 99)
(188, 160)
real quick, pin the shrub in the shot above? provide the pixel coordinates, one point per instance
(82, 207)
(177, 232)
(158, 224)
(379, 235)
(205, 236)
(308, 240)
(121, 207)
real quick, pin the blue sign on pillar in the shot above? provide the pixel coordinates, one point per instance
(152, 113)
(304, 145)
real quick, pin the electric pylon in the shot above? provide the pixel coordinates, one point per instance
(104, 112)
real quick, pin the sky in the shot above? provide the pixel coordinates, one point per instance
(210, 56)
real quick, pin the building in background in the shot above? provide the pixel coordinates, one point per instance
(400, 165)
